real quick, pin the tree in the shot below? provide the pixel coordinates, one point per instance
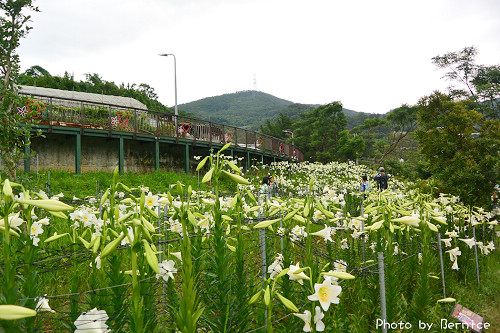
(487, 83)
(350, 146)
(370, 130)
(461, 68)
(13, 27)
(402, 120)
(37, 72)
(317, 132)
(93, 83)
(482, 83)
(462, 149)
(277, 126)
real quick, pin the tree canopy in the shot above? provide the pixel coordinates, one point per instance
(13, 27)
(461, 147)
(94, 83)
(317, 131)
(479, 83)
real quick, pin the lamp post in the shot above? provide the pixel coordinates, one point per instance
(175, 85)
(289, 132)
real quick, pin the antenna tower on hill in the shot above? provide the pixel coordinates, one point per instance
(255, 82)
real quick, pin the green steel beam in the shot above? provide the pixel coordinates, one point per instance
(187, 158)
(78, 153)
(157, 155)
(248, 160)
(27, 155)
(121, 149)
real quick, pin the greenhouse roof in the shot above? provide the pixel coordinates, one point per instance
(83, 96)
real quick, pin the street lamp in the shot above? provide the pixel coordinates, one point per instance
(289, 132)
(175, 81)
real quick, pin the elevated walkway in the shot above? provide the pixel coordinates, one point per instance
(56, 113)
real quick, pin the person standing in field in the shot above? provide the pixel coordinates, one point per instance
(264, 189)
(382, 179)
(365, 184)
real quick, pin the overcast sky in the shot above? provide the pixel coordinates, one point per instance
(372, 56)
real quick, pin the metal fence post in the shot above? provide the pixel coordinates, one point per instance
(363, 235)
(262, 241)
(475, 253)
(281, 227)
(382, 291)
(160, 247)
(100, 204)
(442, 265)
(48, 185)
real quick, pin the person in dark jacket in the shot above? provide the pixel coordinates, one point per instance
(382, 179)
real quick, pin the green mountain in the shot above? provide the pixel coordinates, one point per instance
(250, 109)
(246, 109)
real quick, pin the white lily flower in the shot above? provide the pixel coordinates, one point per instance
(14, 221)
(306, 317)
(36, 229)
(320, 326)
(446, 241)
(151, 200)
(344, 245)
(452, 234)
(318, 215)
(454, 253)
(176, 226)
(42, 305)
(340, 266)
(44, 221)
(166, 270)
(299, 277)
(97, 262)
(93, 321)
(129, 239)
(275, 268)
(411, 220)
(178, 255)
(325, 233)
(326, 293)
(468, 241)
(42, 195)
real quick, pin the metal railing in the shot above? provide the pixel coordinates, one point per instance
(68, 112)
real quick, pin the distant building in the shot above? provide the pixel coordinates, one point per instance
(64, 95)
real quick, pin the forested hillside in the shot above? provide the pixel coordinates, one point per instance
(252, 109)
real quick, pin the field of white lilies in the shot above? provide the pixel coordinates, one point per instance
(303, 258)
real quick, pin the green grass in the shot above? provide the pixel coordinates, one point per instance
(89, 184)
(485, 298)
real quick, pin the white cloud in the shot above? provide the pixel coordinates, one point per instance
(372, 56)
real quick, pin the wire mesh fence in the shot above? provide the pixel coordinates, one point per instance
(74, 283)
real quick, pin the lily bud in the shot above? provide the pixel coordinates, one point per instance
(15, 312)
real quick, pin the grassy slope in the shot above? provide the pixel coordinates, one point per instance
(85, 184)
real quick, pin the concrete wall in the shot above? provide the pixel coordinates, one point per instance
(57, 152)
